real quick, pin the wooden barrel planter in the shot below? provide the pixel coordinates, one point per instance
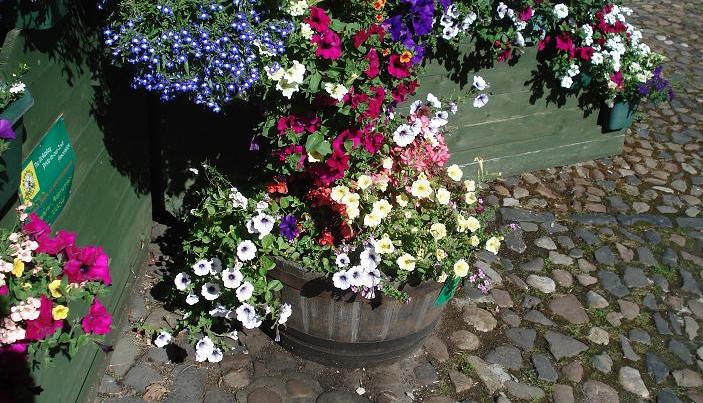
(525, 126)
(344, 329)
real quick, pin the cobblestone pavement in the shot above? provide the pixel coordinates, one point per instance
(597, 296)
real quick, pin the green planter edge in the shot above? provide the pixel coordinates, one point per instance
(12, 158)
(39, 19)
(620, 115)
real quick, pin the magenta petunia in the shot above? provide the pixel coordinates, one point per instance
(525, 14)
(87, 264)
(373, 69)
(55, 245)
(617, 79)
(97, 320)
(565, 43)
(6, 132)
(585, 52)
(35, 226)
(397, 68)
(318, 20)
(329, 46)
(45, 325)
(4, 290)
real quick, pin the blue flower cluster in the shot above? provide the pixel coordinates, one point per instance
(414, 21)
(211, 51)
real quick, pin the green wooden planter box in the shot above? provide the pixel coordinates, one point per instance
(41, 14)
(12, 158)
(620, 116)
(519, 129)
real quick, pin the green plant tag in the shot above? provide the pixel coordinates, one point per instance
(47, 173)
(447, 292)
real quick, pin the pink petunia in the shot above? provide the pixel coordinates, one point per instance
(98, 320)
(35, 226)
(87, 264)
(617, 79)
(45, 325)
(318, 19)
(525, 14)
(55, 245)
(565, 43)
(397, 68)
(329, 46)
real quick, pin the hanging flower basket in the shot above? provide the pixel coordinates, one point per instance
(40, 15)
(11, 160)
(619, 116)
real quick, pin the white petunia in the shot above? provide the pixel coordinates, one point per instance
(406, 262)
(284, 313)
(238, 199)
(162, 339)
(215, 356)
(404, 135)
(336, 91)
(246, 251)
(232, 278)
(369, 259)
(567, 82)
(433, 101)
(192, 299)
(182, 281)
(203, 348)
(446, 21)
(216, 266)
(17, 88)
(210, 291)
(561, 10)
(501, 10)
(202, 267)
(480, 101)
(468, 20)
(306, 30)
(297, 8)
(597, 58)
(573, 70)
(342, 260)
(263, 224)
(452, 11)
(340, 280)
(248, 316)
(219, 312)
(443, 196)
(450, 32)
(454, 172)
(357, 276)
(245, 291)
(519, 39)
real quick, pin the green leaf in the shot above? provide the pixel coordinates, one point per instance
(315, 81)
(316, 143)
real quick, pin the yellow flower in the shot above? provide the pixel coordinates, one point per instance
(443, 196)
(372, 219)
(382, 207)
(17, 267)
(470, 185)
(492, 245)
(338, 192)
(455, 172)
(421, 188)
(470, 198)
(59, 312)
(438, 231)
(461, 268)
(384, 245)
(55, 288)
(474, 241)
(406, 262)
(406, 56)
(364, 181)
(351, 199)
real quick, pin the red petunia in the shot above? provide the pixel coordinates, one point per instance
(377, 30)
(397, 68)
(318, 19)
(585, 52)
(543, 43)
(325, 238)
(565, 43)
(360, 37)
(617, 79)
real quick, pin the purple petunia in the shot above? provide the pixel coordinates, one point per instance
(289, 227)
(6, 131)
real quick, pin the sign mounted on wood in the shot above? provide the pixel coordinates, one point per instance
(47, 173)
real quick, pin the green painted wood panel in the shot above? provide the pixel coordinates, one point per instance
(523, 124)
(109, 203)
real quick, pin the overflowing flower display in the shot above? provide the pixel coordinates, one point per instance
(43, 278)
(11, 89)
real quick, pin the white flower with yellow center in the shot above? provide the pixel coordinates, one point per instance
(384, 245)
(455, 173)
(470, 198)
(493, 245)
(402, 200)
(470, 185)
(383, 207)
(372, 219)
(338, 192)
(474, 241)
(438, 231)
(461, 268)
(406, 262)
(442, 278)
(472, 224)
(421, 188)
(363, 182)
(443, 196)
(388, 163)
(352, 212)
(351, 199)
(382, 183)
(297, 8)
(440, 254)
(306, 30)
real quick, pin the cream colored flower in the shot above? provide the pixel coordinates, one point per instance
(382, 183)
(440, 254)
(470, 198)
(364, 181)
(402, 200)
(421, 188)
(474, 241)
(406, 262)
(297, 8)
(383, 207)
(372, 219)
(351, 199)
(352, 212)
(470, 185)
(455, 173)
(443, 196)
(472, 224)
(442, 278)
(384, 245)
(461, 268)
(493, 245)
(306, 30)
(338, 192)
(387, 163)
(438, 231)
